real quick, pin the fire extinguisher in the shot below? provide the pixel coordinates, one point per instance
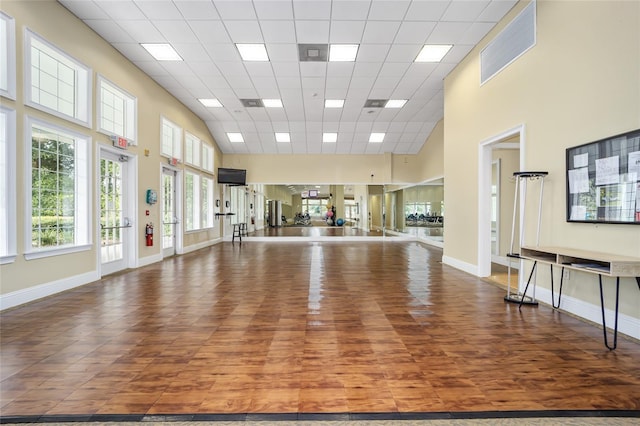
(148, 233)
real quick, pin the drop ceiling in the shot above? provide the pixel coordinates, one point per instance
(390, 34)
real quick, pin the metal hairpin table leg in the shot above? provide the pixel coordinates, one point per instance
(524, 293)
(560, 292)
(604, 324)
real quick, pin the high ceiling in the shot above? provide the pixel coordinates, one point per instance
(390, 34)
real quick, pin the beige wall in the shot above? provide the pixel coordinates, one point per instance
(61, 28)
(427, 165)
(579, 83)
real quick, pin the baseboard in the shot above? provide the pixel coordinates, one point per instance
(144, 261)
(626, 324)
(201, 245)
(20, 297)
(504, 261)
(458, 264)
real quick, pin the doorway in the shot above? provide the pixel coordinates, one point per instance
(117, 206)
(507, 150)
(170, 209)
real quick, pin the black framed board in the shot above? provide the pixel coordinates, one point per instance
(603, 180)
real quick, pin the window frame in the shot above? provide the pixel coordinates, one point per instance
(206, 200)
(8, 250)
(195, 206)
(207, 158)
(176, 149)
(8, 59)
(83, 80)
(130, 114)
(82, 190)
(191, 140)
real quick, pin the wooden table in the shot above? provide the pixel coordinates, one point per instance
(606, 264)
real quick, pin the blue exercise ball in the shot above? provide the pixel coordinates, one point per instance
(340, 222)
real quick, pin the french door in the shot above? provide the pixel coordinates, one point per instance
(169, 212)
(115, 224)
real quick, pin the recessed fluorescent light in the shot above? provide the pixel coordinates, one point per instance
(376, 137)
(333, 103)
(252, 52)
(433, 52)
(272, 103)
(329, 137)
(395, 103)
(235, 137)
(211, 103)
(343, 52)
(283, 137)
(162, 51)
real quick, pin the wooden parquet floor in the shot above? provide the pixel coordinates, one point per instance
(304, 328)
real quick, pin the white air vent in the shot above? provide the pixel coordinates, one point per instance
(514, 40)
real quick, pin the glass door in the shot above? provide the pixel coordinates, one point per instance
(115, 224)
(169, 213)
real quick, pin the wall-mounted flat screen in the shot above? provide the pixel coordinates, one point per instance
(313, 193)
(232, 176)
(603, 180)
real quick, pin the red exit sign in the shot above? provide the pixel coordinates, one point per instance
(120, 142)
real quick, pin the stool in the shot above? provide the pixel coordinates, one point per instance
(243, 229)
(237, 232)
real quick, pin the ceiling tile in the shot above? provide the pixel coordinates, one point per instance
(158, 9)
(414, 32)
(259, 69)
(190, 52)
(346, 31)
(282, 52)
(448, 32)
(210, 31)
(496, 10)
(244, 31)
(84, 9)
(278, 31)
(380, 31)
(122, 10)
(350, 10)
(176, 31)
(221, 53)
(151, 67)
(133, 51)
(113, 33)
(394, 10)
(236, 9)
(394, 69)
(312, 31)
(316, 9)
(286, 69)
(313, 69)
(267, 9)
(464, 11)
(372, 52)
(366, 69)
(340, 69)
(196, 10)
(426, 10)
(476, 32)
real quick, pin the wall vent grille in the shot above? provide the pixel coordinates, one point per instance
(512, 42)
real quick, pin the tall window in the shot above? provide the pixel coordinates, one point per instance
(59, 204)
(117, 111)
(7, 185)
(207, 158)
(7, 56)
(207, 202)
(55, 82)
(191, 150)
(171, 139)
(192, 201)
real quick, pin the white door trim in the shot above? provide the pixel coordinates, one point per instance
(484, 193)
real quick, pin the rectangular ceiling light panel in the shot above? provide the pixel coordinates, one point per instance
(376, 137)
(211, 103)
(433, 52)
(329, 137)
(235, 137)
(252, 51)
(283, 137)
(333, 103)
(272, 103)
(395, 103)
(343, 52)
(162, 51)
